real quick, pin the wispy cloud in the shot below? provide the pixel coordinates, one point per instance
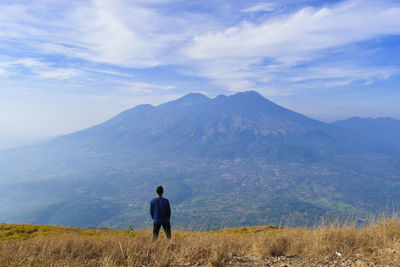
(297, 38)
(40, 69)
(97, 31)
(263, 6)
(240, 54)
(143, 87)
(301, 33)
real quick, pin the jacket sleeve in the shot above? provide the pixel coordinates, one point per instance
(168, 210)
(152, 210)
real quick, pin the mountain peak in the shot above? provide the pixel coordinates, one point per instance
(252, 96)
(187, 100)
(194, 96)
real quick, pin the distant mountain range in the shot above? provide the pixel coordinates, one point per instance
(226, 161)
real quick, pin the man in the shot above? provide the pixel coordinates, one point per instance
(160, 212)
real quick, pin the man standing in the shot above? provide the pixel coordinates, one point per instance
(160, 212)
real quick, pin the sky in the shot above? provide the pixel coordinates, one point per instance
(68, 65)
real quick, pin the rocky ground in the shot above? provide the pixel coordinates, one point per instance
(284, 261)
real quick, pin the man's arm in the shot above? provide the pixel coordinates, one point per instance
(168, 210)
(152, 210)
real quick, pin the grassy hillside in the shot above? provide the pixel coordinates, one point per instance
(33, 245)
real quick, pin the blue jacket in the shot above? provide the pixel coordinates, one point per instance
(160, 210)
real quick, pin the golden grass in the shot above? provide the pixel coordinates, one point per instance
(30, 245)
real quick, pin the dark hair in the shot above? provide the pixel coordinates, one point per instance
(160, 190)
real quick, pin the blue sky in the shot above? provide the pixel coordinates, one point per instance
(67, 65)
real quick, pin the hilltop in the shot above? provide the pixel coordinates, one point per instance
(224, 162)
(330, 245)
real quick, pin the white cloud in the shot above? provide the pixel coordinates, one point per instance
(143, 87)
(347, 72)
(59, 73)
(3, 72)
(116, 34)
(297, 38)
(122, 33)
(143, 35)
(263, 6)
(109, 72)
(277, 79)
(38, 68)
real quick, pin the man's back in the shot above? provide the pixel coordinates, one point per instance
(160, 213)
(160, 210)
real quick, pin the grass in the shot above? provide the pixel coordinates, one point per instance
(33, 245)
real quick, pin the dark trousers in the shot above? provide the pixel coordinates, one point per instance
(156, 229)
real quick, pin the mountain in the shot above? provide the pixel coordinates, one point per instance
(381, 134)
(225, 161)
(245, 124)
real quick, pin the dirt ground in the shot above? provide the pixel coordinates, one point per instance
(284, 261)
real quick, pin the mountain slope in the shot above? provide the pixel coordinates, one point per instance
(227, 161)
(381, 134)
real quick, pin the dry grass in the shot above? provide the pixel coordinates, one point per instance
(29, 245)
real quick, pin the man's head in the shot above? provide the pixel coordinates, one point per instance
(160, 190)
